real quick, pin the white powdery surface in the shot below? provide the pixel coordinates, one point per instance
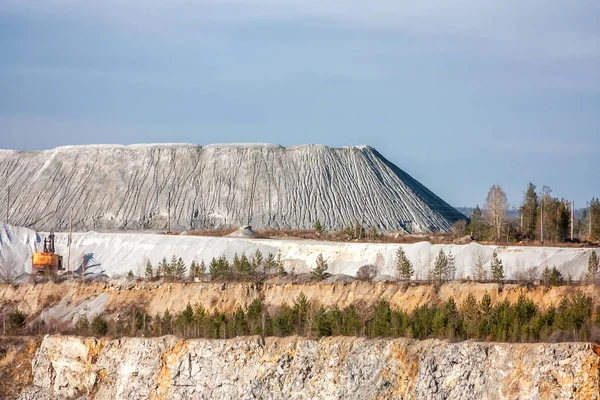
(16, 247)
(108, 187)
(121, 252)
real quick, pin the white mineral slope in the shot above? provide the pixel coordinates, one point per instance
(121, 252)
(16, 246)
(264, 185)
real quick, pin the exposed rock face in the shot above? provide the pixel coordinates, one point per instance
(133, 187)
(296, 368)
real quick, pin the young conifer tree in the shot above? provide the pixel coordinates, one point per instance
(149, 270)
(440, 267)
(318, 272)
(279, 266)
(403, 266)
(497, 268)
(450, 274)
(180, 269)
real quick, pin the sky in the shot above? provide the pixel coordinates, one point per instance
(461, 95)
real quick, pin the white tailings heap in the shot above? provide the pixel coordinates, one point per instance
(225, 185)
(121, 252)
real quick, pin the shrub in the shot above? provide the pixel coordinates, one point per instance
(99, 326)
(17, 319)
(318, 227)
(367, 272)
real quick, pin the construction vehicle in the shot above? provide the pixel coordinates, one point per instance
(47, 262)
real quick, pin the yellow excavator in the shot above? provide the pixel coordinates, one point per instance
(47, 262)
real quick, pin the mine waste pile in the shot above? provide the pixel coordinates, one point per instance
(206, 187)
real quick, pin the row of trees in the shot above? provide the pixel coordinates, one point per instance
(541, 217)
(241, 268)
(571, 319)
(443, 269)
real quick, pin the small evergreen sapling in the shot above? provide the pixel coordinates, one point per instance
(318, 272)
(497, 268)
(404, 267)
(281, 272)
(440, 268)
(149, 270)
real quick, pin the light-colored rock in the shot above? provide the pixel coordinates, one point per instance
(297, 368)
(118, 253)
(267, 186)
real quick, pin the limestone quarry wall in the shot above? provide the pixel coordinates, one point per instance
(267, 186)
(298, 368)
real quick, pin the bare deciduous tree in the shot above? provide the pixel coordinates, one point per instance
(527, 275)
(496, 210)
(479, 272)
(9, 268)
(459, 228)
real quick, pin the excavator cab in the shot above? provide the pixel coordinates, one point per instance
(47, 262)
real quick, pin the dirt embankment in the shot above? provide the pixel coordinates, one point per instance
(67, 299)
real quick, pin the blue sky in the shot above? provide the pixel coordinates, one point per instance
(461, 94)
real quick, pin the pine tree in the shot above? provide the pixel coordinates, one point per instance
(225, 267)
(470, 309)
(257, 261)
(170, 272)
(486, 303)
(269, 265)
(403, 266)
(476, 225)
(497, 268)
(236, 266)
(595, 220)
(193, 270)
(583, 224)
(318, 272)
(163, 269)
(552, 276)
(593, 267)
(451, 267)
(213, 269)
(279, 266)
(180, 269)
(529, 212)
(245, 267)
(440, 267)
(130, 275)
(149, 270)
(201, 270)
